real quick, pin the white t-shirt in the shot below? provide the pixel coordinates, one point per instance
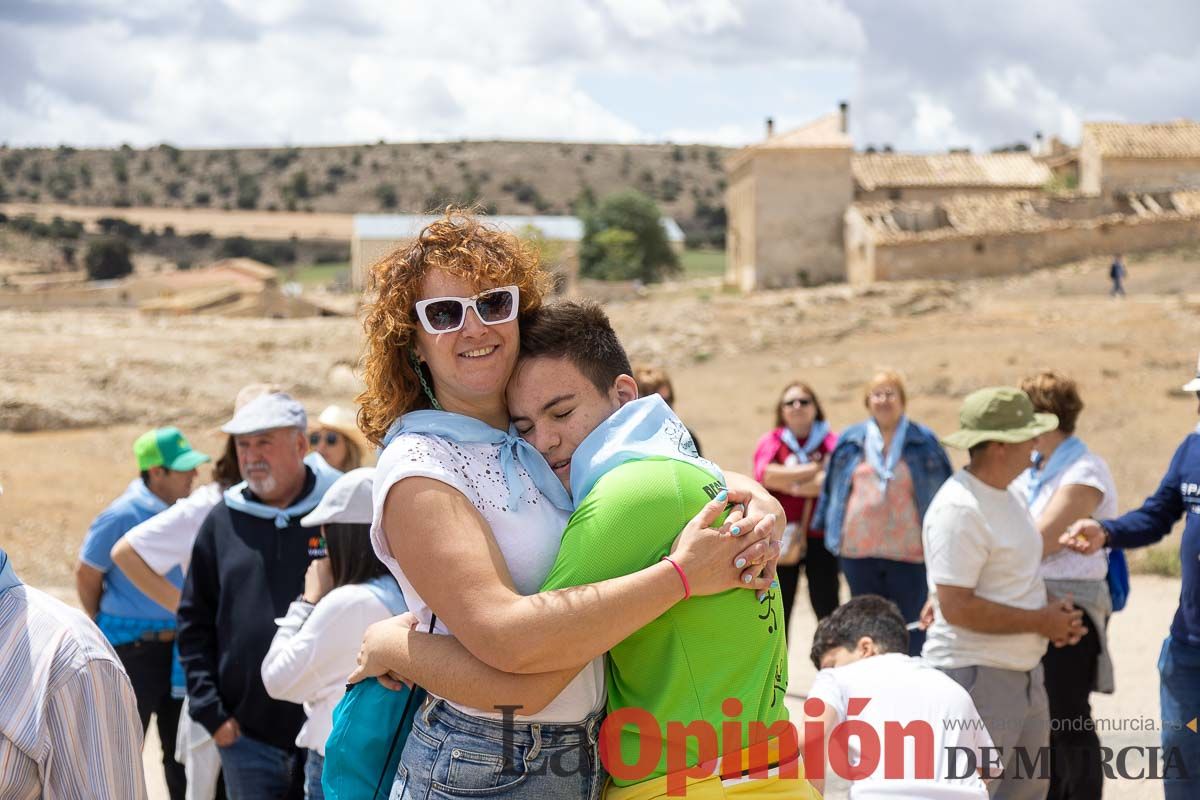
(1088, 470)
(901, 689)
(165, 540)
(982, 538)
(315, 650)
(528, 539)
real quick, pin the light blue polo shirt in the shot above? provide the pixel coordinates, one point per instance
(121, 599)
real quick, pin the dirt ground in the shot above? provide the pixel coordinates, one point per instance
(79, 386)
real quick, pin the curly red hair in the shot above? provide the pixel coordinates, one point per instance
(461, 244)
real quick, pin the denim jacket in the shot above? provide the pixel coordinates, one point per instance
(926, 460)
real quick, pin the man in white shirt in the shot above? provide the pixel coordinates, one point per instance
(861, 650)
(992, 619)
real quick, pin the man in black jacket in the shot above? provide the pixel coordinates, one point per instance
(247, 564)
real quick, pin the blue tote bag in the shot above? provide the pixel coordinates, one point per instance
(370, 726)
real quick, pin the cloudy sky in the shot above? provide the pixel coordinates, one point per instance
(919, 74)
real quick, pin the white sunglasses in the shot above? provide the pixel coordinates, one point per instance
(449, 314)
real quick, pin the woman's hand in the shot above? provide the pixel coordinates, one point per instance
(751, 498)
(382, 650)
(318, 580)
(732, 556)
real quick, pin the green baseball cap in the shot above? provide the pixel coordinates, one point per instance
(998, 414)
(166, 447)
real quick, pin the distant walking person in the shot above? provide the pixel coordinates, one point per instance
(1117, 273)
(68, 716)
(142, 631)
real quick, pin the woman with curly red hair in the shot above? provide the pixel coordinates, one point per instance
(468, 517)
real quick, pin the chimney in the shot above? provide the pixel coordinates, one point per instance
(844, 110)
(1039, 146)
(770, 127)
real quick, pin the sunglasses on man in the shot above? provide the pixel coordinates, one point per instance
(449, 314)
(331, 438)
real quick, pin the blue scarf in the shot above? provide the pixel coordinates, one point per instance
(885, 468)
(236, 499)
(513, 450)
(387, 591)
(816, 435)
(1067, 453)
(644, 428)
(8, 578)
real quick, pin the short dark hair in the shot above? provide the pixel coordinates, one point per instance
(865, 615)
(351, 557)
(579, 331)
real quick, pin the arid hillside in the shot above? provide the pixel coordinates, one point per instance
(504, 177)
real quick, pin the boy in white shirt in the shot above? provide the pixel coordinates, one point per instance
(928, 741)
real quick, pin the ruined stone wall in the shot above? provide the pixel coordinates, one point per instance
(973, 256)
(1148, 174)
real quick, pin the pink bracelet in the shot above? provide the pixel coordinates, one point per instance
(687, 589)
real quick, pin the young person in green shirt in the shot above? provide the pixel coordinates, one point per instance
(709, 666)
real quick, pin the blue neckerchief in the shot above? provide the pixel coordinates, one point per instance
(644, 428)
(885, 469)
(140, 496)
(387, 591)
(8, 577)
(816, 435)
(1067, 453)
(236, 499)
(513, 450)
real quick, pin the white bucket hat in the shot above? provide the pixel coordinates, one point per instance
(1194, 384)
(348, 501)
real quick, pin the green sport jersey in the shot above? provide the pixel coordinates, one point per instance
(684, 665)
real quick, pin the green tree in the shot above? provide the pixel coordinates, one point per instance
(247, 192)
(108, 257)
(623, 239)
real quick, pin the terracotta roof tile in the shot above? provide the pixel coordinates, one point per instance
(894, 170)
(1179, 139)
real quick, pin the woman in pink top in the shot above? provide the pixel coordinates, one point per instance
(790, 462)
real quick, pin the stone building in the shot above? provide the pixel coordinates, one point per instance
(954, 215)
(785, 198)
(1122, 158)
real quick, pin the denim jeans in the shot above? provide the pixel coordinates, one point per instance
(255, 770)
(452, 754)
(899, 581)
(1179, 694)
(314, 765)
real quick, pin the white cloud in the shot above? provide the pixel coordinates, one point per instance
(931, 74)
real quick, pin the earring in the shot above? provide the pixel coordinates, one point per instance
(416, 364)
